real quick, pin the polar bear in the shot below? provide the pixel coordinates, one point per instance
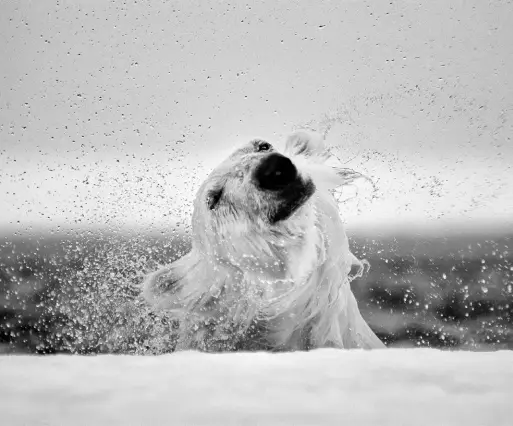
(270, 263)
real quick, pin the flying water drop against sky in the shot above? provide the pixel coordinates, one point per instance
(112, 114)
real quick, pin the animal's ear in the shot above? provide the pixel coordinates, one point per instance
(163, 286)
(304, 143)
(214, 196)
(183, 286)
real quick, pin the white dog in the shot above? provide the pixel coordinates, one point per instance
(270, 261)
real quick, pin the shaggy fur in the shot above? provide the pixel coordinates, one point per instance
(268, 270)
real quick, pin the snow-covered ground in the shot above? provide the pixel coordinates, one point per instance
(324, 387)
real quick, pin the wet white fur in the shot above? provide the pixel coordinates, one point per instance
(250, 285)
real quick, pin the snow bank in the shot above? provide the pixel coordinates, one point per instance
(323, 387)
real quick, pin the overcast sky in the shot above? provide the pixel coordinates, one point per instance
(112, 113)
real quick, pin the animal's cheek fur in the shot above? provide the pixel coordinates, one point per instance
(242, 203)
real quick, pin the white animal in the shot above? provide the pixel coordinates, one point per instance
(270, 262)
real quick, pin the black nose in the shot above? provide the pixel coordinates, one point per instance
(275, 172)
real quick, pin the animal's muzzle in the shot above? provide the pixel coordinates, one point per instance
(275, 172)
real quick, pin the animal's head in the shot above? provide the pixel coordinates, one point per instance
(259, 200)
(267, 239)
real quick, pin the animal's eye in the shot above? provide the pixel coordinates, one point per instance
(263, 146)
(213, 197)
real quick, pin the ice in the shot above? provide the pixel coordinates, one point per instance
(322, 387)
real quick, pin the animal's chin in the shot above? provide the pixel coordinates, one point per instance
(291, 198)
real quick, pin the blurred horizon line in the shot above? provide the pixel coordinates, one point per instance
(385, 228)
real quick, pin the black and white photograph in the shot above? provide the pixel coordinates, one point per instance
(256, 212)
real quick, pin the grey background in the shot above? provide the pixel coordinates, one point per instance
(113, 112)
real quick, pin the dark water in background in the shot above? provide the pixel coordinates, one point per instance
(447, 291)
(78, 294)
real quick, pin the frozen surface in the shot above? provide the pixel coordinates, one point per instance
(324, 387)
